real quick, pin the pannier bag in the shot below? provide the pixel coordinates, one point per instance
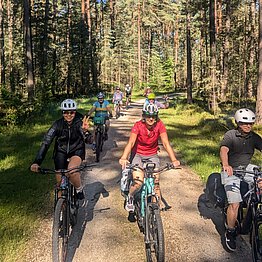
(125, 181)
(215, 191)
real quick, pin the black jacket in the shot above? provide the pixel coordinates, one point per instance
(69, 138)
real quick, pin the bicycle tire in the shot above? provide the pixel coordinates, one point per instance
(256, 240)
(98, 145)
(60, 231)
(154, 234)
(74, 206)
(117, 111)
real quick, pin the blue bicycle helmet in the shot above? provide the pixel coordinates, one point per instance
(100, 95)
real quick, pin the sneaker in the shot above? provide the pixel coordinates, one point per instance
(80, 195)
(131, 217)
(130, 204)
(231, 239)
(94, 147)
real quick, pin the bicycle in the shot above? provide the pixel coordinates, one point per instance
(249, 220)
(117, 108)
(100, 130)
(128, 100)
(147, 212)
(65, 211)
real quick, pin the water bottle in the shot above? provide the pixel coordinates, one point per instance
(125, 179)
(63, 182)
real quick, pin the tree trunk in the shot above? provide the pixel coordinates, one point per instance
(29, 52)
(213, 96)
(259, 86)
(226, 53)
(2, 45)
(139, 44)
(189, 63)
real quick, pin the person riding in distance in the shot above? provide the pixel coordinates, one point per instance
(117, 97)
(144, 142)
(71, 132)
(151, 100)
(102, 109)
(237, 149)
(128, 91)
(147, 91)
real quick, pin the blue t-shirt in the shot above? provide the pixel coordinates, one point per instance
(101, 109)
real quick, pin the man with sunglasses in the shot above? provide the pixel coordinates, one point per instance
(143, 143)
(70, 133)
(237, 149)
(102, 109)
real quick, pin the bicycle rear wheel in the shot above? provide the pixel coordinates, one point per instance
(60, 231)
(154, 235)
(256, 241)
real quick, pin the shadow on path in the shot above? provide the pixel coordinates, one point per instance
(86, 211)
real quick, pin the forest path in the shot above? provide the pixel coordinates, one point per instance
(193, 231)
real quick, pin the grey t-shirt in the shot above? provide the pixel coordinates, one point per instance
(241, 148)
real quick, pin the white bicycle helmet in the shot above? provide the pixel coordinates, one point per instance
(245, 115)
(68, 104)
(100, 95)
(150, 110)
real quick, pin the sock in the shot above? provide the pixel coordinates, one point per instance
(79, 189)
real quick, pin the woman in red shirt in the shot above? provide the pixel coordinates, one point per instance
(143, 143)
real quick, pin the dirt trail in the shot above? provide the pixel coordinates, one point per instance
(193, 232)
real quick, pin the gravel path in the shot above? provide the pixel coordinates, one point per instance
(193, 232)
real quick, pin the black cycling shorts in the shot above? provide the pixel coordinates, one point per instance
(61, 158)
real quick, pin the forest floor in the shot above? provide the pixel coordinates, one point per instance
(193, 230)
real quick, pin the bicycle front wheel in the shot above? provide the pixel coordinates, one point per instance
(154, 235)
(98, 145)
(118, 111)
(256, 241)
(60, 231)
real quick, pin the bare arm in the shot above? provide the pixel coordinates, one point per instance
(131, 142)
(91, 111)
(169, 149)
(109, 109)
(224, 160)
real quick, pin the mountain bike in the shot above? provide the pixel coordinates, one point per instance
(100, 131)
(117, 108)
(66, 207)
(249, 219)
(147, 212)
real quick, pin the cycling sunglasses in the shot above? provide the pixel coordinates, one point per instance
(69, 112)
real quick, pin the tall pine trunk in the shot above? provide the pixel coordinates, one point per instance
(259, 86)
(28, 48)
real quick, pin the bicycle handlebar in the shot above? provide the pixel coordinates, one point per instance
(65, 171)
(162, 169)
(241, 172)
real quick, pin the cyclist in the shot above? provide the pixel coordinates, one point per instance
(71, 132)
(102, 109)
(151, 99)
(117, 97)
(147, 91)
(128, 93)
(237, 149)
(143, 142)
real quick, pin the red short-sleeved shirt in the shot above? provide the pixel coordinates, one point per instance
(147, 140)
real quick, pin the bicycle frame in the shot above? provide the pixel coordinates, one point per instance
(146, 193)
